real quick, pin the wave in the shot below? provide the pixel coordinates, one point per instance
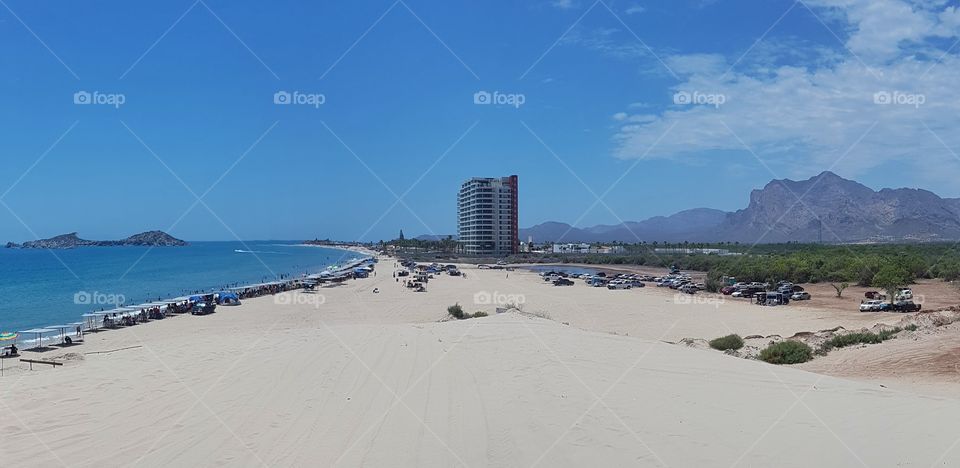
(259, 252)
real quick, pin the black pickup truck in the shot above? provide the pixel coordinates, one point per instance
(906, 306)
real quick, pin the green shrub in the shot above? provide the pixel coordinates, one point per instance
(479, 313)
(456, 311)
(787, 352)
(887, 334)
(727, 342)
(911, 327)
(851, 339)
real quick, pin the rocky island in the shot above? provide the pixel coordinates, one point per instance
(69, 241)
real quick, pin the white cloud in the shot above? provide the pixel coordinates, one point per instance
(812, 115)
(620, 116)
(634, 9)
(565, 4)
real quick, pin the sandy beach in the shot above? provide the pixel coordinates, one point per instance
(349, 377)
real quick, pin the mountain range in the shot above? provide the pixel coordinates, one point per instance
(826, 207)
(71, 240)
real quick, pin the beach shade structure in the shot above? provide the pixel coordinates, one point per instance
(38, 335)
(92, 321)
(5, 339)
(112, 316)
(62, 329)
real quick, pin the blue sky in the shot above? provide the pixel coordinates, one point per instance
(779, 89)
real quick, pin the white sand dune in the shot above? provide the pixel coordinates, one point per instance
(373, 380)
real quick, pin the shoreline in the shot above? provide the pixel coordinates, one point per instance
(83, 325)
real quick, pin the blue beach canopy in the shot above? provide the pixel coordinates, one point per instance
(225, 296)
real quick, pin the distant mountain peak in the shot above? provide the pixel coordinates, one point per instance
(825, 206)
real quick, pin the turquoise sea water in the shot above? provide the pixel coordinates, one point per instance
(41, 287)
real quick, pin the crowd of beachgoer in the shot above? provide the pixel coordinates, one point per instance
(268, 289)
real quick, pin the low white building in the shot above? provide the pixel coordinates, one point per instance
(584, 248)
(693, 251)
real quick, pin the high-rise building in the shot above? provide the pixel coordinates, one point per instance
(487, 216)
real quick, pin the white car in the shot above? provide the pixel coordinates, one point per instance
(870, 306)
(904, 294)
(618, 284)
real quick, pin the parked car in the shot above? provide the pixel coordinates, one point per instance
(872, 295)
(904, 294)
(870, 306)
(727, 290)
(562, 282)
(689, 288)
(800, 296)
(906, 306)
(203, 308)
(617, 284)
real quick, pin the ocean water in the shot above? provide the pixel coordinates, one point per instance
(41, 287)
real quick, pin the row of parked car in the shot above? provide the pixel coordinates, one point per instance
(621, 281)
(792, 291)
(624, 280)
(680, 282)
(877, 302)
(884, 306)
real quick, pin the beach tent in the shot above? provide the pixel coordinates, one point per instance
(227, 298)
(38, 333)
